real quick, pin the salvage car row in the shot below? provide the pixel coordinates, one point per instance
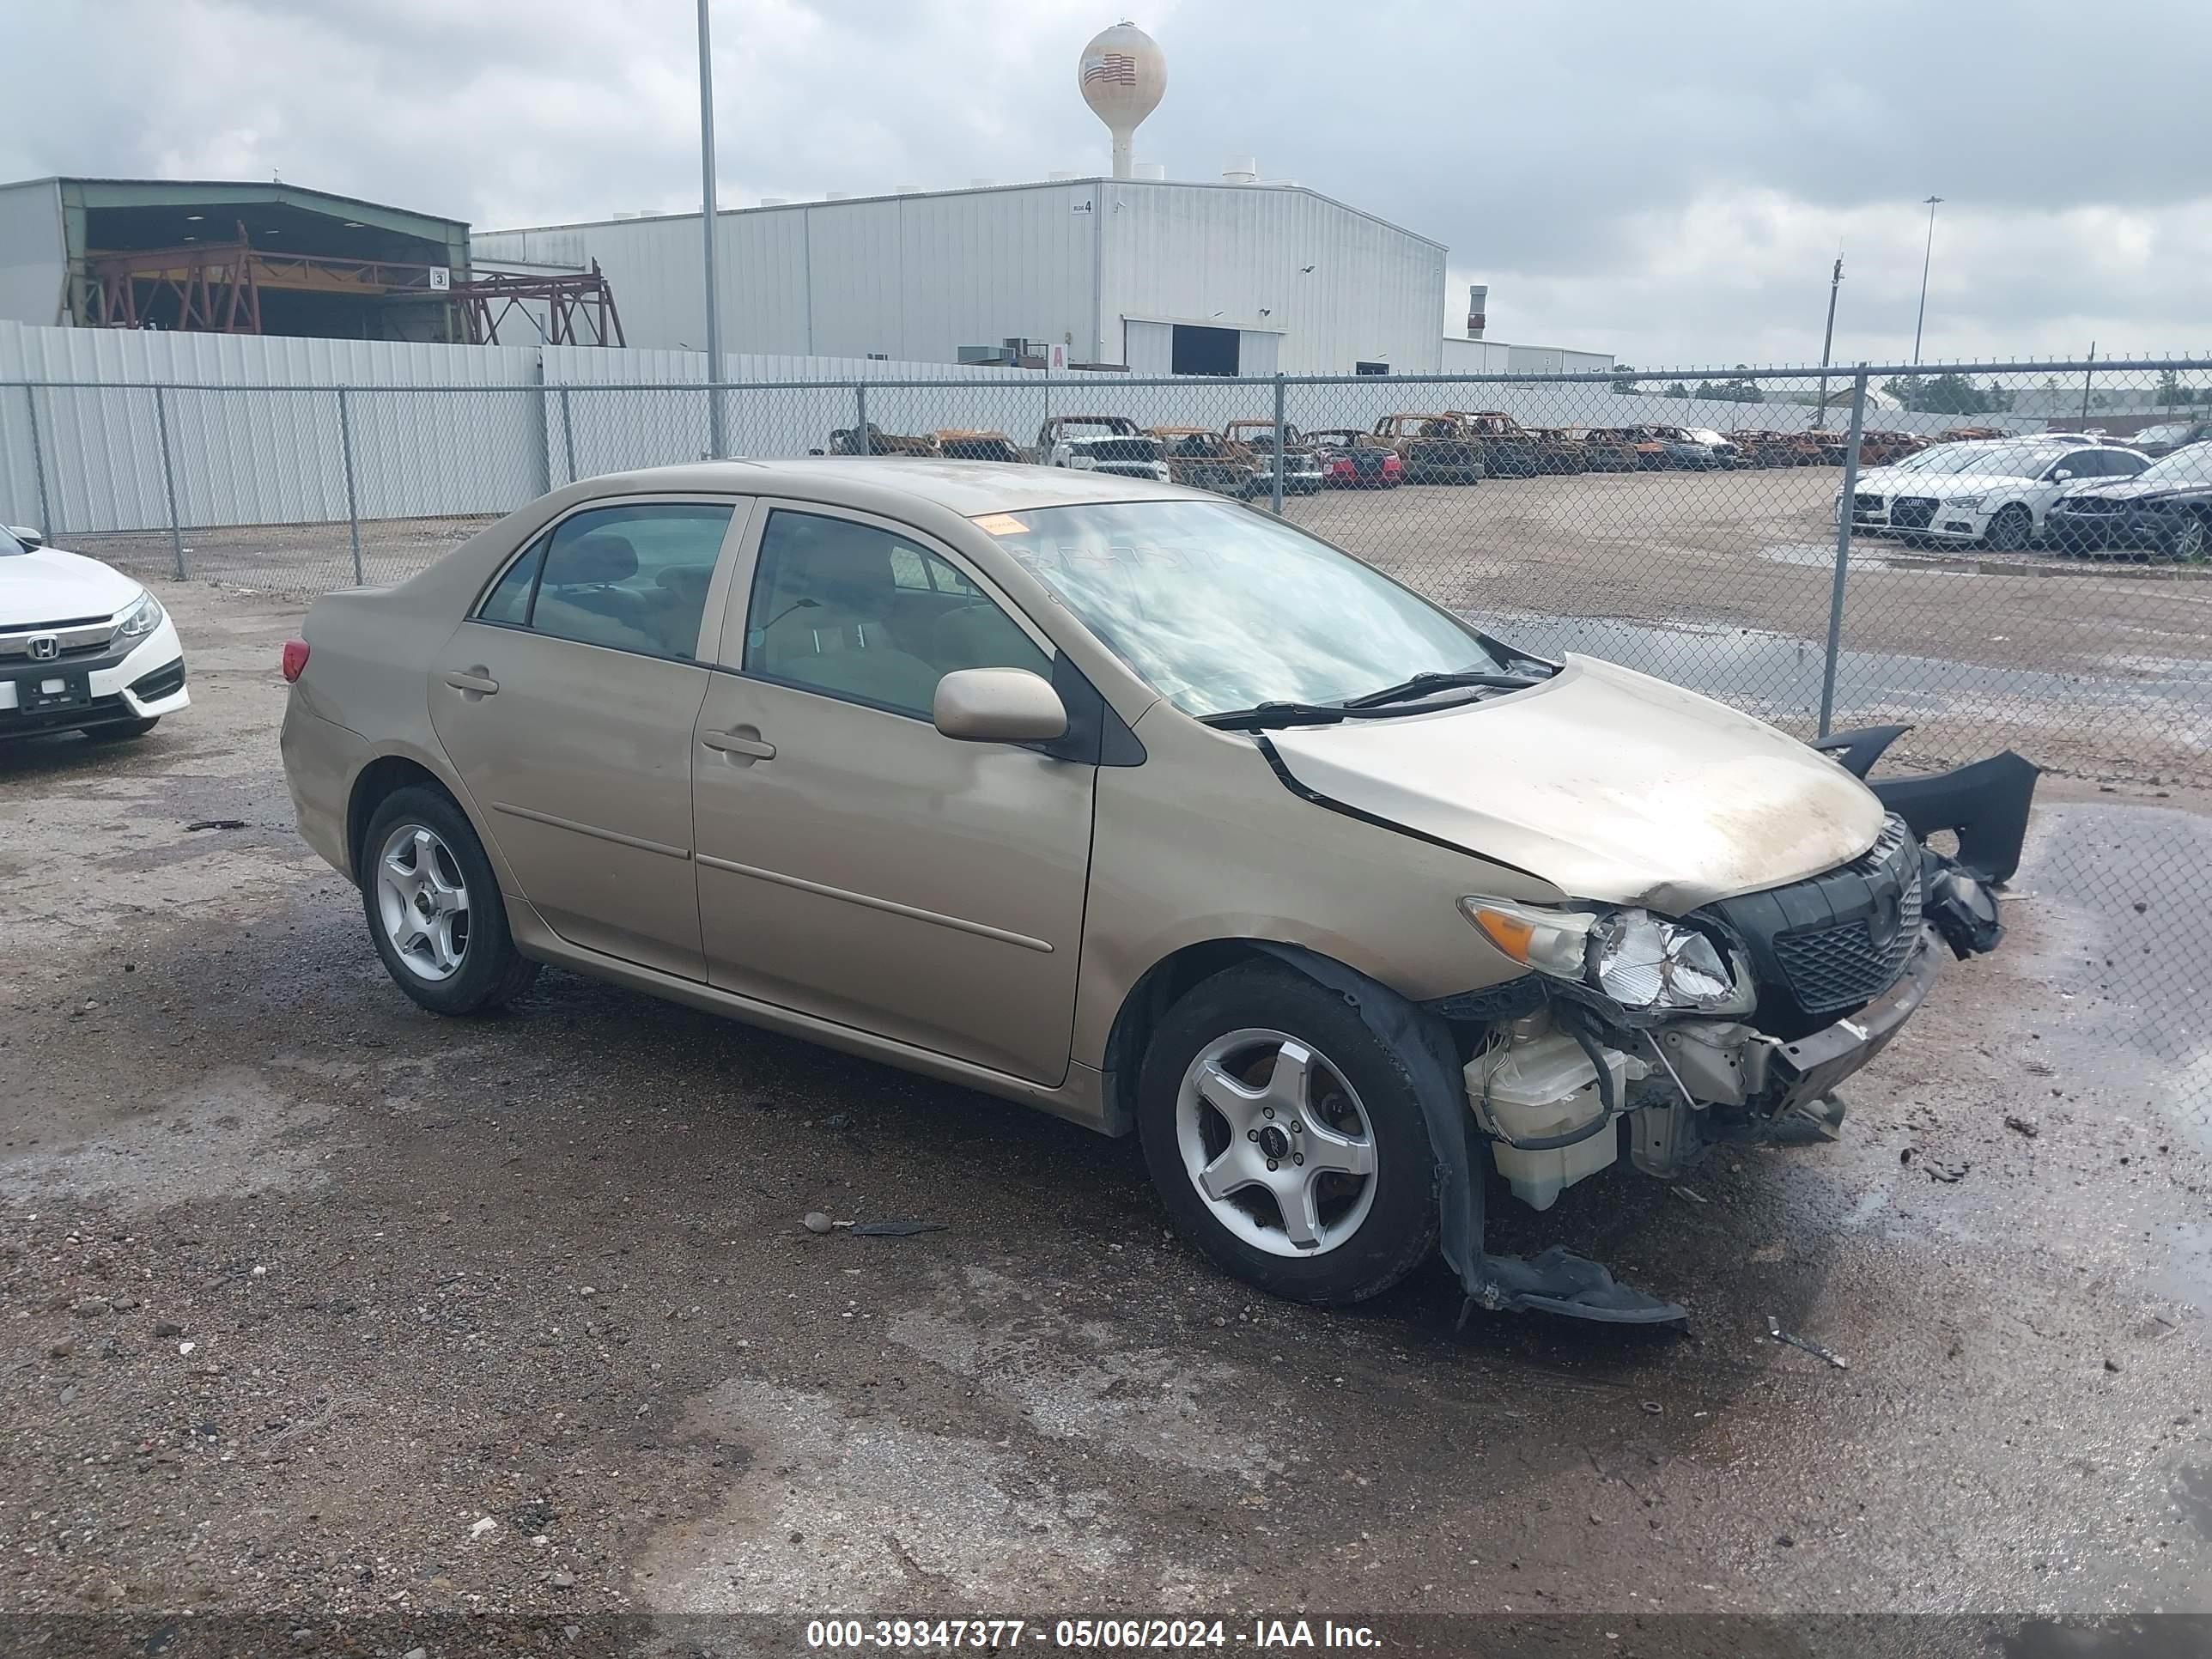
(1453, 446)
(2069, 494)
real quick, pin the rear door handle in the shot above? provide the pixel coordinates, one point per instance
(737, 742)
(474, 680)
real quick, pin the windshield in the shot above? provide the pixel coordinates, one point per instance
(9, 544)
(2163, 435)
(2192, 466)
(1218, 607)
(1991, 460)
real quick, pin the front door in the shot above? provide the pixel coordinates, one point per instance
(854, 864)
(568, 701)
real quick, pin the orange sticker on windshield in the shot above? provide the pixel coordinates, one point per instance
(1001, 523)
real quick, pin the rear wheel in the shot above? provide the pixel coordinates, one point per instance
(2009, 532)
(435, 908)
(1285, 1138)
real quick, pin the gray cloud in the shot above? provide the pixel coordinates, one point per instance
(1669, 182)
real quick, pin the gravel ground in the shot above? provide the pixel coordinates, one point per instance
(315, 1307)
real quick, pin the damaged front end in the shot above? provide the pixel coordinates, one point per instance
(1737, 1022)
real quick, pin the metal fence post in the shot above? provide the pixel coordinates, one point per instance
(353, 504)
(567, 434)
(47, 526)
(861, 444)
(169, 479)
(1844, 505)
(1282, 457)
(543, 431)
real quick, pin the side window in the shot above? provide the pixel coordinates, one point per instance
(858, 613)
(630, 578)
(2121, 464)
(509, 598)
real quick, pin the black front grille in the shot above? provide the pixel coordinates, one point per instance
(1864, 506)
(1832, 968)
(2091, 504)
(1832, 943)
(1912, 512)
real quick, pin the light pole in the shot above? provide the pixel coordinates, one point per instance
(715, 443)
(1926, 254)
(1828, 340)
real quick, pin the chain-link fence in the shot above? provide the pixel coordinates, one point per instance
(2023, 564)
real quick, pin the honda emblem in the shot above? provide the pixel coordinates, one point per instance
(45, 647)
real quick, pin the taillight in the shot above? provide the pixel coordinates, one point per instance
(296, 660)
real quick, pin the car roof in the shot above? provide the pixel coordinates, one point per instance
(967, 488)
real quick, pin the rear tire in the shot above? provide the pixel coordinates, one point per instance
(1350, 1206)
(433, 906)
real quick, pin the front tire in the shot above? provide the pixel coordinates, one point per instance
(2010, 530)
(435, 908)
(1286, 1139)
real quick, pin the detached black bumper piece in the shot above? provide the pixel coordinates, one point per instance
(1985, 804)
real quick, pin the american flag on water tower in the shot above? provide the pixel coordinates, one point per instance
(1114, 68)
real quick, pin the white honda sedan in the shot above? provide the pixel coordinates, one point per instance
(1989, 492)
(83, 646)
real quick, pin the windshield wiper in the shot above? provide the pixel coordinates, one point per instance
(1264, 716)
(1421, 684)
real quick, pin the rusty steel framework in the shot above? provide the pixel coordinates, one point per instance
(217, 287)
(580, 308)
(214, 284)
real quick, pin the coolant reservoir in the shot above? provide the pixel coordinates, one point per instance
(1543, 1085)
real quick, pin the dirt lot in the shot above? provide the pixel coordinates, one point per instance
(303, 1288)
(1718, 580)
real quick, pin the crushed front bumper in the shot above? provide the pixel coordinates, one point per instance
(1809, 1069)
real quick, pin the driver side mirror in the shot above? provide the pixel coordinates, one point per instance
(28, 537)
(2063, 474)
(998, 705)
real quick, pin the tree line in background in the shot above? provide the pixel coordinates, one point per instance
(1930, 394)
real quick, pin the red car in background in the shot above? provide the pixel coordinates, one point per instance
(1351, 459)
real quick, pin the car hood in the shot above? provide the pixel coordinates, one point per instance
(1940, 484)
(2133, 490)
(1610, 784)
(49, 586)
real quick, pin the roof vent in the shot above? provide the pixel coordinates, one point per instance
(1156, 171)
(1241, 170)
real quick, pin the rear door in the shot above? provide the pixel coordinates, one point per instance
(567, 700)
(854, 864)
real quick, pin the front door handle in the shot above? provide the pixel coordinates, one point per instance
(744, 742)
(474, 680)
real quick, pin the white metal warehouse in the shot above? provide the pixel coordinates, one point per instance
(1164, 277)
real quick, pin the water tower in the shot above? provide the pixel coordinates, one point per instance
(1122, 75)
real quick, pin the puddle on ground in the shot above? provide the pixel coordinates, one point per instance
(1779, 674)
(2187, 1278)
(1820, 555)
(2192, 1496)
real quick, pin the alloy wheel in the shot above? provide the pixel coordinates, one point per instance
(1276, 1142)
(421, 901)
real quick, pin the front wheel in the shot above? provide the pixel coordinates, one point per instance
(2009, 531)
(1285, 1138)
(435, 908)
(2190, 538)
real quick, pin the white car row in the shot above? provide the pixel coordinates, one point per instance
(83, 646)
(1991, 492)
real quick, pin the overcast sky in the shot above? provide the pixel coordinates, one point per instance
(1669, 182)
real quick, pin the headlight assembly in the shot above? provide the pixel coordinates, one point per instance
(1645, 962)
(142, 619)
(1968, 501)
